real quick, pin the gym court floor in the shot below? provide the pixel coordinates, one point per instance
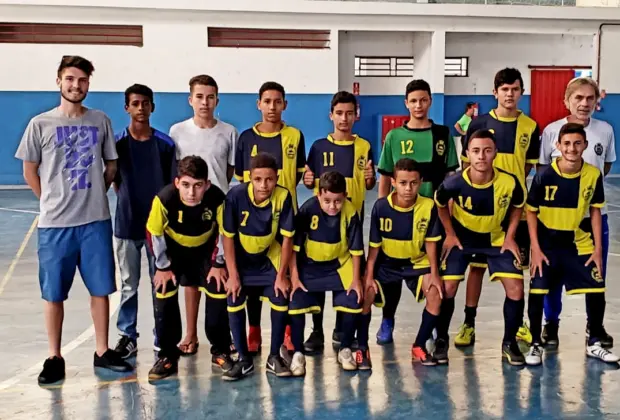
(475, 385)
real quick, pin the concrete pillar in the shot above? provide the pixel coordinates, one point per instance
(437, 79)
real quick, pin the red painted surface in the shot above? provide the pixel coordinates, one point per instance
(547, 100)
(391, 121)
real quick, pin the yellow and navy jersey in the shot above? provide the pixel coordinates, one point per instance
(400, 233)
(562, 202)
(480, 212)
(188, 230)
(518, 142)
(286, 145)
(325, 244)
(258, 229)
(349, 157)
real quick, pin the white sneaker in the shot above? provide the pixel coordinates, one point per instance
(534, 356)
(298, 364)
(346, 359)
(597, 351)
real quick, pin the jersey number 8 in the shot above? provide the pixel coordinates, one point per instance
(314, 223)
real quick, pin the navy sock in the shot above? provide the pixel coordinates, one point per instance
(168, 325)
(445, 316)
(363, 327)
(338, 327)
(595, 308)
(426, 328)
(278, 327)
(535, 305)
(470, 315)
(348, 329)
(255, 307)
(237, 328)
(317, 319)
(513, 318)
(298, 324)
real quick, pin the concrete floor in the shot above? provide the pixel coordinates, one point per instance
(476, 384)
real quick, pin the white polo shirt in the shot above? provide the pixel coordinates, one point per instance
(601, 144)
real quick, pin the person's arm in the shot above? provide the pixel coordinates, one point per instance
(385, 185)
(110, 156)
(301, 158)
(532, 209)
(229, 228)
(32, 178)
(547, 145)
(239, 159)
(610, 155)
(286, 227)
(155, 226)
(310, 169)
(110, 172)
(532, 155)
(29, 151)
(370, 177)
(459, 129)
(607, 168)
(432, 238)
(443, 196)
(374, 244)
(386, 167)
(232, 149)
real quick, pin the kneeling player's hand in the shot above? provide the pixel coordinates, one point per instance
(296, 285)
(450, 242)
(357, 287)
(436, 282)
(219, 275)
(281, 285)
(308, 177)
(536, 261)
(597, 259)
(233, 285)
(511, 245)
(162, 278)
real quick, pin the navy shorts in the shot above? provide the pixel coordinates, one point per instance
(264, 293)
(87, 248)
(413, 282)
(500, 265)
(566, 267)
(306, 302)
(522, 238)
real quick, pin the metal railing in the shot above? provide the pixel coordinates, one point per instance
(495, 2)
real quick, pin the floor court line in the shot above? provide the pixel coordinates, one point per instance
(18, 255)
(19, 210)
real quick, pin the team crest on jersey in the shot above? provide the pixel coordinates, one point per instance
(361, 163)
(524, 140)
(596, 275)
(276, 216)
(491, 130)
(440, 147)
(587, 193)
(516, 264)
(598, 149)
(422, 225)
(290, 151)
(207, 214)
(503, 201)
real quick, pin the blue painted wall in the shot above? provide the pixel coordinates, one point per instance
(310, 113)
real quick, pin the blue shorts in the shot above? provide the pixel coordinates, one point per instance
(265, 293)
(306, 302)
(87, 248)
(500, 265)
(522, 238)
(568, 268)
(413, 282)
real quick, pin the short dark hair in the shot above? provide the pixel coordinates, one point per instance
(193, 166)
(271, 86)
(418, 84)
(507, 76)
(137, 89)
(343, 97)
(481, 134)
(469, 105)
(407, 165)
(77, 62)
(264, 160)
(572, 128)
(333, 182)
(204, 80)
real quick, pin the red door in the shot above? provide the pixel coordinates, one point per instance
(547, 100)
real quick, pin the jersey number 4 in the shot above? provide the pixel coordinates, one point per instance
(406, 147)
(550, 191)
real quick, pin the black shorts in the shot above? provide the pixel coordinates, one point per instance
(413, 282)
(566, 267)
(191, 273)
(500, 265)
(522, 238)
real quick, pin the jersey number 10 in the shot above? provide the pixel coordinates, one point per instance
(385, 224)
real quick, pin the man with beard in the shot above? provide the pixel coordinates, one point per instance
(69, 157)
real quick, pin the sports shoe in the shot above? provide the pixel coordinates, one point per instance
(277, 366)
(111, 360)
(362, 359)
(386, 331)
(298, 364)
(550, 334)
(241, 369)
(53, 371)
(466, 336)
(126, 347)
(223, 361)
(534, 355)
(255, 340)
(421, 355)
(163, 368)
(524, 334)
(315, 343)
(607, 341)
(441, 351)
(346, 359)
(512, 354)
(597, 351)
(288, 343)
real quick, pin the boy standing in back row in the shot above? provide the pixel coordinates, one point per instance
(430, 145)
(215, 142)
(286, 144)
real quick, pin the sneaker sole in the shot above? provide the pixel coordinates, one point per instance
(512, 362)
(443, 361)
(423, 363)
(281, 374)
(533, 364)
(598, 358)
(471, 343)
(220, 367)
(50, 382)
(116, 368)
(312, 350)
(160, 377)
(364, 367)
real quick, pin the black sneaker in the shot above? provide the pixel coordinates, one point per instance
(336, 338)
(550, 334)
(315, 343)
(606, 340)
(441, 351)
(113, 361)
(53, 371)
(222, 361)
(512, 354)
(240, 369)
(277, 366)
(163, 368)
(126, 347)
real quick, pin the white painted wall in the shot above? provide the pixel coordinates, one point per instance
(610, 60)
(390, 44)
(489, 53)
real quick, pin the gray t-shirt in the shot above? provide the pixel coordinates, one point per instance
(215, 145)
(70, 153)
